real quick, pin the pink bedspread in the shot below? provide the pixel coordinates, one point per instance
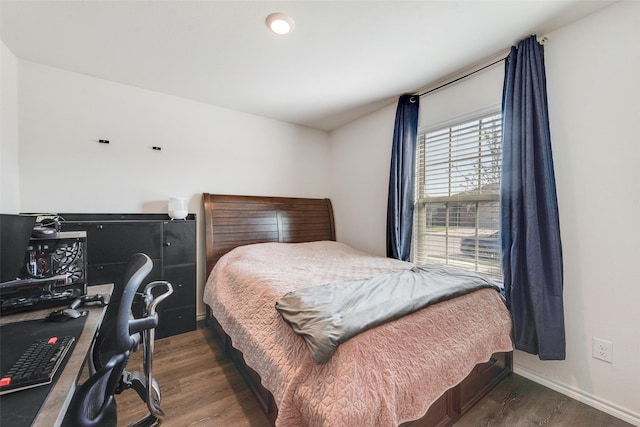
(382, 377)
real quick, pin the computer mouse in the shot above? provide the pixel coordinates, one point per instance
(64, 314)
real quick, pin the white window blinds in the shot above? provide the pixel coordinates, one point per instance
(457, 212)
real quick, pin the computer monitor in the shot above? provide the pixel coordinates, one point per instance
(15, 232)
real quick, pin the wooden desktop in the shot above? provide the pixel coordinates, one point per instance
(53, 409)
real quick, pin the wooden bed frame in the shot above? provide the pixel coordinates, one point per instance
(232, 221)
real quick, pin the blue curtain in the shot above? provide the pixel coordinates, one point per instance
(401, 182)
(530, 228)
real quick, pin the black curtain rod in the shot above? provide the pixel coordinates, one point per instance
(460, 78)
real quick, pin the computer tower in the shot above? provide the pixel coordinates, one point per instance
(53, 273)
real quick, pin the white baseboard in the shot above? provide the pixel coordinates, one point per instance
(579, 395)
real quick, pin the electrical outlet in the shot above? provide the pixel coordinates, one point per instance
(603, 350)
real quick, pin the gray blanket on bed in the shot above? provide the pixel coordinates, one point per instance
(330, 314)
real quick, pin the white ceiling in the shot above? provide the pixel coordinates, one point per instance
(345, 59)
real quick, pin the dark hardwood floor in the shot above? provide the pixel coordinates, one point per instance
(201, 387)
(519, 402)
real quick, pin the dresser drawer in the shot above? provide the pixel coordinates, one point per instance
(183, 281)
(114, 242)
(99, 274)
(174, 321)
(177, 245)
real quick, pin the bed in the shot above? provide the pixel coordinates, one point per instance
(424, 369)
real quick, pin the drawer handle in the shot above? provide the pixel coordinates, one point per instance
(99, 227)
(179, 285)
(167, 243)
(100, 267)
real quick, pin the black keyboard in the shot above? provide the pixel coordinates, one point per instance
(37, 365)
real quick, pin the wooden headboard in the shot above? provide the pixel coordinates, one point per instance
(232, 221)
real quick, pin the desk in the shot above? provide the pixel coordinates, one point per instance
(55, 405)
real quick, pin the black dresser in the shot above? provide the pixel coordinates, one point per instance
(113, 238)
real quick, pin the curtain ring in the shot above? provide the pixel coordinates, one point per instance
(412, 99)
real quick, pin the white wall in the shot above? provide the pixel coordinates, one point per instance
(63, 168)
(9, 188)
(359, 165)
(593, 88)
(204, 148)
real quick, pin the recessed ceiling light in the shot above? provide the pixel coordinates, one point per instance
(280, 23)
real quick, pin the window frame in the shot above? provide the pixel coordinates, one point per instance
(490, 267)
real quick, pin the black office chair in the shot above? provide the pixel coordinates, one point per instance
(120, 334)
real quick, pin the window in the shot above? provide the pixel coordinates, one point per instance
(457, 212)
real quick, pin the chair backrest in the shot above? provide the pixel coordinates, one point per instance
(138, 268)
(105, 346)
(94, 404)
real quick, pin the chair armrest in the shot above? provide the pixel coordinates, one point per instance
(144, 323)
(152, 301)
